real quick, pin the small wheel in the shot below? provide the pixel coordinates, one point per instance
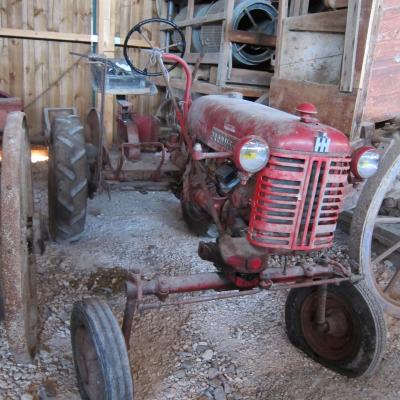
(372, 224)
(197, 220)
(68, 184)
(353, 339)
(99, 351)
(141, 29)
(19, 241)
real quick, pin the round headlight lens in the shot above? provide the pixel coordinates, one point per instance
(252, 154)
(366, 163)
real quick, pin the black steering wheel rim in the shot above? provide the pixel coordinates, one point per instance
(138, 28)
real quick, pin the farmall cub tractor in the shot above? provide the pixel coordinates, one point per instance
(272, 183)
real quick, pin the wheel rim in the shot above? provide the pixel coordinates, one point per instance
(337, 339)
(18, 241)
(88, 365)
(376, 248)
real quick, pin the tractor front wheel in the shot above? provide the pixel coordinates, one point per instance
(68, 184)
(197, 220)
(99, 351)
(352, 339)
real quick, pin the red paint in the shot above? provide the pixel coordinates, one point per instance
(298, 209)
(307, 108)
(239, 118)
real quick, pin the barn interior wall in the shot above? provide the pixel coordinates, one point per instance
(44, 73)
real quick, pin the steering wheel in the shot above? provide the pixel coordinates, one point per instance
(138, 28)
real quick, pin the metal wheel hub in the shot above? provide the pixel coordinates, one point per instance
(337, 337)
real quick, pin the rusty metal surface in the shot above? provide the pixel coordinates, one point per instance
(17, 262)
(8, 104)
(336, 338)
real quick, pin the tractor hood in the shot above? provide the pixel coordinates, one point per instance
(220, 121)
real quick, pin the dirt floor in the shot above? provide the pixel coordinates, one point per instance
(232, 349)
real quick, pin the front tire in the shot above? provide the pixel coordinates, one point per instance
(99, 351)
(197, 220)
(68, 185)
(353, 340)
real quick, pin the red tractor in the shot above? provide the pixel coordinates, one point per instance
(272, 183)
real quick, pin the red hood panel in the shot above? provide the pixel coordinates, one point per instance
(239, 118)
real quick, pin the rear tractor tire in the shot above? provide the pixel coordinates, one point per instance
(68, 183)
(352, 340)
(100, 354)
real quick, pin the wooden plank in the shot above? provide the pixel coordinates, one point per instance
(225, 57)
(4, 65)
(334, 108)
(244, 76)
(200, 20)
(330, 21)
(28, 56)
(106, 28)
(350, 46)
(256, 38)
(282, 15)
(208, 58)
(312, 56)
(14, 17)
(209, 88)
(334, 4)
(299, 7)
(64, 37)
(188, 30)
(41, 66)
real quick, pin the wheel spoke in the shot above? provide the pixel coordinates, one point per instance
(146, 39)
(393, 288)
(388, 220)
(246, 10)
(386, 253)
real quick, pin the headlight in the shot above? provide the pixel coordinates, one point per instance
(365, 162)
(251, 154)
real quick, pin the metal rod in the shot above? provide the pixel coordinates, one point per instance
(202, 299)
(322, 292)
(309, 284)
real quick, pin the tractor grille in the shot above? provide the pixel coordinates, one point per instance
(297, 201)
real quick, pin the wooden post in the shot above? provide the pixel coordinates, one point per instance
(225, 50)
(282, 15)
(106, 46)
(189, 29)
(350, 46)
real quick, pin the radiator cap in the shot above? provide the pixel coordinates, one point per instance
(307, 112)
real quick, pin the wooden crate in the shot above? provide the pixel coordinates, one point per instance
(217, 76)
(344, 61)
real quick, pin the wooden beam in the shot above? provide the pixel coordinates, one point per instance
(350, 46)
(282, 16)
(256, 38)
(64, 37)
(208, 58)
(209, 88)
(244, 77)
(198, 21)
(188, 30)
(335, 4)
(299, 7)
(106, 29)
(330, 21)
(224, 63)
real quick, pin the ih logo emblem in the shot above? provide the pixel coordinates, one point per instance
(322, 143)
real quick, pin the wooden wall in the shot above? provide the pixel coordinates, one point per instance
(43, 73)
(383, 96)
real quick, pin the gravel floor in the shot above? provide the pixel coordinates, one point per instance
(232, 349)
